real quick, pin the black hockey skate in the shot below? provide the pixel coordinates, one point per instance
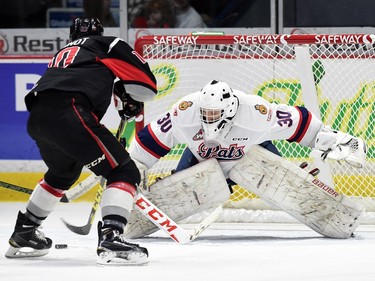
(114, 250)
(27, 240)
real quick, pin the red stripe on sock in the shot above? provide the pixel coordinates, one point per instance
(127, 187)
(50, 189)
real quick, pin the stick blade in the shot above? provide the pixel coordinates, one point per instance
(203, 225)
(81, 230)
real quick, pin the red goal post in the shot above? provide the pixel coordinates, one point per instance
(331, 74)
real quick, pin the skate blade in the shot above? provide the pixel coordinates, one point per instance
(122, 258)
(24, 252)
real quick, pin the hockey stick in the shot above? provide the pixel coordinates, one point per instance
(15, 187)
(85, 229)
(80, 189)
(69, 196)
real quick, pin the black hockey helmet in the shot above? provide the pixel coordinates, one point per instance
(83, 26)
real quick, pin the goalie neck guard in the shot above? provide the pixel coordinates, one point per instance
(217, 106)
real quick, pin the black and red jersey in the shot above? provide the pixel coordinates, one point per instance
(90, 65)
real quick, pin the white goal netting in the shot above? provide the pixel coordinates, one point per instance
(332, 75)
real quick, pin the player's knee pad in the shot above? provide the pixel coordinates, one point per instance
(126, 172)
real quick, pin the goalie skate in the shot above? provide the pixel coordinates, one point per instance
(114, 250)
(27, 240)
(297, 192)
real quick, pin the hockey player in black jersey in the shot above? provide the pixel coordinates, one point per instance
(66, 106)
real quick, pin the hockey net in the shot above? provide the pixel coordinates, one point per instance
(333, 75)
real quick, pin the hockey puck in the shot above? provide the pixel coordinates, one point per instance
(61, 246)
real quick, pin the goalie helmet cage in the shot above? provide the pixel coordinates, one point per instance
(332, 75)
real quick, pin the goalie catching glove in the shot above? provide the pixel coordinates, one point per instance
(126, 106)
(338, 146)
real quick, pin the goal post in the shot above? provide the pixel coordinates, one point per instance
(342, 82)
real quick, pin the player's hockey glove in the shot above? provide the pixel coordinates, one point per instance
(126, 106)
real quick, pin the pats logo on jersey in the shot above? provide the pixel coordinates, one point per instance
(233, 152)
(184, 105)
(261, 108)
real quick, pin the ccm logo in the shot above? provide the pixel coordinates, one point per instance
(156, 216)
(95, 162)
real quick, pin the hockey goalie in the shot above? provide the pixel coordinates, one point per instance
(227, 125)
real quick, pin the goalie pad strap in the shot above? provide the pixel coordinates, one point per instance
(295, 191)
(182, 194)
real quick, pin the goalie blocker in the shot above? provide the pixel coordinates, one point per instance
(297, 192)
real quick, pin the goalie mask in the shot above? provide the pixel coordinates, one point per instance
(217, 106)
(82, 27)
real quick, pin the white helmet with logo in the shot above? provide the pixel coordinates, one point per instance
(217, 106)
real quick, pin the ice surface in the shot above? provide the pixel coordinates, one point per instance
(230, 252)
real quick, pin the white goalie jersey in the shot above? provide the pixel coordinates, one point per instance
(256, 121)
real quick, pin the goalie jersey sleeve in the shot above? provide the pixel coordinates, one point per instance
(256, 121)
(153, 141)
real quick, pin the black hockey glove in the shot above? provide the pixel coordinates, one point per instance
(126, 106)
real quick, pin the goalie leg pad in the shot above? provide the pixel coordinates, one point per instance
(297, 192)
(181, 195)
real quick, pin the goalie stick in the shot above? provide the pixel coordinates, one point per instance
(166, 224)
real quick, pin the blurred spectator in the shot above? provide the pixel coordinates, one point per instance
(136, 13)
(100, 9)
(109, 19)
(186, 15)
(159, 14)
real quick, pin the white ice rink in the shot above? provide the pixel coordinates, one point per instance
(235, 252)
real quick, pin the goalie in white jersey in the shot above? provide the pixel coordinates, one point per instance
(224, 123)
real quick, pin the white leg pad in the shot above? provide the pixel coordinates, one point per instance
(181, 195)
(297, 192)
